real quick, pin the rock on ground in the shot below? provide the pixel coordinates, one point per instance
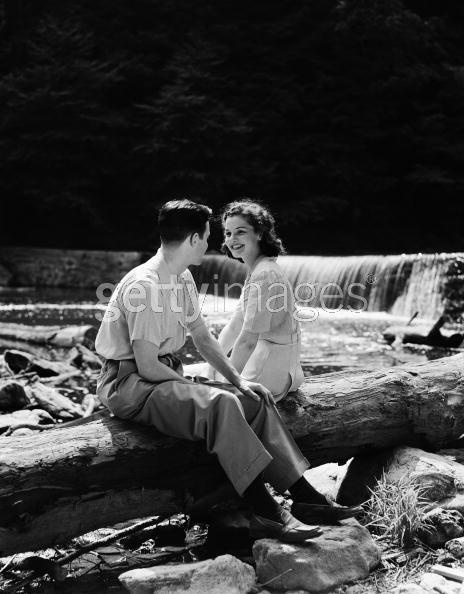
(327, 478)
(441, 475)
(342, 554)
(408, 588)
(456, 547)
(224, 575)
(443, 525)
(431, 582)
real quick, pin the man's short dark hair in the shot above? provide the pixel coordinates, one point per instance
(178, 219)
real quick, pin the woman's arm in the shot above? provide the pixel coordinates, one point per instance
(243, 349)
(226, 340)
(229, 334)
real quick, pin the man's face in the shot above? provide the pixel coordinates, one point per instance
(201, 246)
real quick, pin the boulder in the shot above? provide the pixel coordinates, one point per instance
(455, 546)
(343, 553)
(327, 478)
(224, 575)
(441, 475)
(361, 474)
(437, 584)
(443, 525)
(408, 588)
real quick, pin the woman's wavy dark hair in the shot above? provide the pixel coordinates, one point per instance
(262, 221)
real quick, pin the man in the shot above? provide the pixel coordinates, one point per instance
(144, 325)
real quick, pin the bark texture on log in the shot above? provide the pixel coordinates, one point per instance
(84, 468)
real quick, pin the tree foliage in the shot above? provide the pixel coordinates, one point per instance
(345, 116)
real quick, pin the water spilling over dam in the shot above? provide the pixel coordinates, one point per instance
(431, 284)
(399, 284)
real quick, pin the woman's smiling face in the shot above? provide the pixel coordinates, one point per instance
(241, 239)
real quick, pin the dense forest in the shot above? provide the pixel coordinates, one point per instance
(345, 116)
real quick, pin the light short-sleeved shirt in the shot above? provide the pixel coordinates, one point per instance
(266, 303)
(152, 304)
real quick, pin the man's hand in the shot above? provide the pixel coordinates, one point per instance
(209, 348)
(256, 391)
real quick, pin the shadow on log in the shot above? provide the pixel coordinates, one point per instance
(92, 473)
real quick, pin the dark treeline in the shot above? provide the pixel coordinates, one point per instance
(345, 116)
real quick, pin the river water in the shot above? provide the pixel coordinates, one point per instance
(331, 340)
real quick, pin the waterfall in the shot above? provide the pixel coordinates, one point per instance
(398, 284)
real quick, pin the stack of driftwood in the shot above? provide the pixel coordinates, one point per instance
(40, 392)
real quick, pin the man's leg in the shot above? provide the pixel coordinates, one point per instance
(201, 412)
(288, 463)
(196, 412)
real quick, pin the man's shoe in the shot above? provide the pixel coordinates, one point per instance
(327, 514)
(289, 530)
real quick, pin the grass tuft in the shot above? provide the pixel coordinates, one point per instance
(395, 511)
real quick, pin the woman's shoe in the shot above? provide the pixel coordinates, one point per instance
(289, 530)
(330, 513)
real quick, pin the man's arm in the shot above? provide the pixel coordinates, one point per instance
(209, 349)
(149, 366)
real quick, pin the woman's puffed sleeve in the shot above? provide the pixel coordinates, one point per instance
(263, 296)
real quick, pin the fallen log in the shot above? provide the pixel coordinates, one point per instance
(60, 379)
(56, 336)
(81, 356)
(67, 481)
(20, 418)
(53, 402)
(36, 350)
(421, 334)
(19, 362)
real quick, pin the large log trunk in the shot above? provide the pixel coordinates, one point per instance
(70, 480)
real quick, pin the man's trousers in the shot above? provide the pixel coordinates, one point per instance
(248, 437)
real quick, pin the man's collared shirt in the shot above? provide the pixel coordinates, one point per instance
(152, 304)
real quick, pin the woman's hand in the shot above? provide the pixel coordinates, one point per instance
(256, 391)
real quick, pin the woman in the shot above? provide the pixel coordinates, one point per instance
(263, 336)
